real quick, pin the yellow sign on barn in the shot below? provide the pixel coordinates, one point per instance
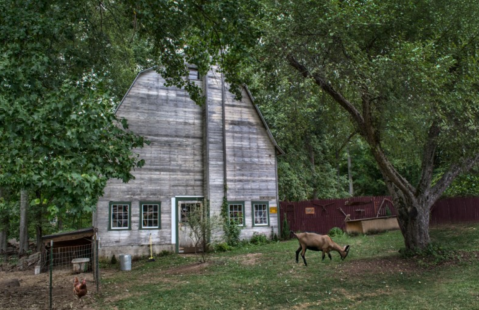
(309, 210)
(273, 210)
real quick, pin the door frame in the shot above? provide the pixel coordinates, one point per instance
(175, 217)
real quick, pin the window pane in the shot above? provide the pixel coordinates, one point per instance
(260, 214)
(150, 215)
(236, 213)
(120, 216)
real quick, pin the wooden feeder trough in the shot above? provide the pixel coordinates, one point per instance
(375, 224)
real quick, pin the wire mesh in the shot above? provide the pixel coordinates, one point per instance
(63, 256)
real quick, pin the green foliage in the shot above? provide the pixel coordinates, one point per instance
(285, 231)
(231, 229)
(222, 247)
(61, 70)
(432, 255)
(164, 253)
(258, 239)
(335, 232)
(113, 260)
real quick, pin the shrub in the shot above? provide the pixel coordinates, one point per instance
(222, 247)
(113, 260)
(285, 232)
(232, 233)
(164, 253)
(258, 239)
(335, 232)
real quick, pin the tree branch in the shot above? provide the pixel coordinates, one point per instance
(448, 177)
(365, 126)
(427, 166)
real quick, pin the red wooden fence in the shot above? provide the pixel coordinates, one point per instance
(322, 215)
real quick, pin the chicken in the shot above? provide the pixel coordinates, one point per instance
(79, 288)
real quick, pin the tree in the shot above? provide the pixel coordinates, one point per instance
(406, 75)
(403, 72)
(58, 132)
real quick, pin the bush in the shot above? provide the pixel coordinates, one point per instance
(222, 247)
(232, 233)
(258, 239)
(113, 260)
(433, 255)
(164, 253)
(335, 232)
(285, 232)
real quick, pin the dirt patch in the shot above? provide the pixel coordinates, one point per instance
(33, 291)
(249, 259)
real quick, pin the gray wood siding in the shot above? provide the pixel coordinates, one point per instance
(251, 161)
(192, 149)
(173, 123)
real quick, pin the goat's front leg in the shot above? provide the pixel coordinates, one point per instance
(297, 253)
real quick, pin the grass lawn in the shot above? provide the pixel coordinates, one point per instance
(373, 276)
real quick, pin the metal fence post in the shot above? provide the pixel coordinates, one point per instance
(97, 264)
(51, 274)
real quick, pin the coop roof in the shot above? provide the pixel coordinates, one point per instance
(70, 235)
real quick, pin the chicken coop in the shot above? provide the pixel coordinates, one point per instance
(65, 250)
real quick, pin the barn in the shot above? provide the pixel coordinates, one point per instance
(221, 151)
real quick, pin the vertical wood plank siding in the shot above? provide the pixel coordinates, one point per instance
(328, 213)
(251, 159)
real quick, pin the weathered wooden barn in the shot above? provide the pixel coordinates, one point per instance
(197, 155)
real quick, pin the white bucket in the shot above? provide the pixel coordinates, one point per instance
(37, 270)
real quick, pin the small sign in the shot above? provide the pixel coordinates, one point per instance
(267, 197)
(273, 210)
(309, 210)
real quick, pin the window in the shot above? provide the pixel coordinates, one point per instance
(236, 212)
(120, 215)
(150, 215)
(260, 213)
(186, 208)
(193, 74)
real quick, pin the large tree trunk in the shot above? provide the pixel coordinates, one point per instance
(413, 219)
(23, 223)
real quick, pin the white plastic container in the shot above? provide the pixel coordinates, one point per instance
(80, 264)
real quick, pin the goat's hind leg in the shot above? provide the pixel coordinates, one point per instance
(303, 255)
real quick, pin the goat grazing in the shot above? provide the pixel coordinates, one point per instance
(316, 242)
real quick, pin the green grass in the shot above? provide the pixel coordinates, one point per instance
(374, 276)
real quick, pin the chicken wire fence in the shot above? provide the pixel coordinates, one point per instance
(63, 257)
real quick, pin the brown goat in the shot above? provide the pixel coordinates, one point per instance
(316, 242)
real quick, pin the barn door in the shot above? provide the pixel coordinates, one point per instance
(185, 243)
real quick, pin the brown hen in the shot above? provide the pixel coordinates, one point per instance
(79, 288)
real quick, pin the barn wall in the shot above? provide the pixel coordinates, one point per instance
(251, 161)
(173, 123)
(186, 157)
